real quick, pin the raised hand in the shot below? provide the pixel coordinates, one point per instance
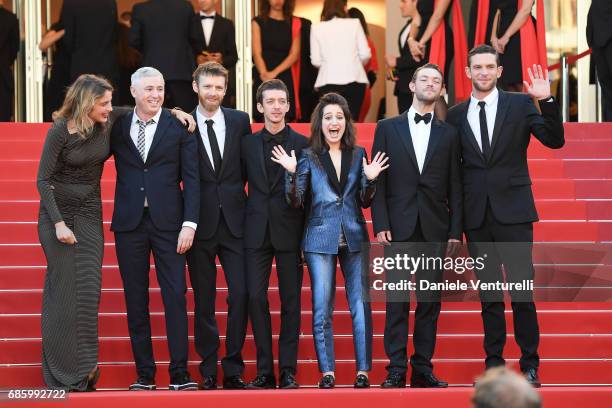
(280, 156)
(540, 85)
(376, 166)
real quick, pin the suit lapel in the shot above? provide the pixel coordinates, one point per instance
(164, 122)
(467, 130)
(434, 137)
(229, 139)
(259, 149)
(328, 165)
(214, 33)
(345, 167)
(502, 109)
(125, 127)
(403, 129)
(290, 145)
(201, 148)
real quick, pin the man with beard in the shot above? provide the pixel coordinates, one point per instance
(495, 129)
(273, 231)
(418, 200)
(222, 203)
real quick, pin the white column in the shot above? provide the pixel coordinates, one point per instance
(244, 67)
(33, 61)
(586, 92)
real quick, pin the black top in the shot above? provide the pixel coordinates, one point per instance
(9, 46)
(599, 29)
(511, 58)
(270, 141)
(426, 9)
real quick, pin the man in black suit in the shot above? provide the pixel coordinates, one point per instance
(219, 137)
(599, 38)
(273, 230)
(418, 200)
(169, 36)
(90, 37)
(9, 47)
(495, 129)
(219, 44)
(153, 155)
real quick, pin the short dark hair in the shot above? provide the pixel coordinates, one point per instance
(333, 8)
(210, 68)
(317, 139)
(271, 84)
(483, 49)
(427, 66)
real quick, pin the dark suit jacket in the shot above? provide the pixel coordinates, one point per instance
(225, 191)
(172, 158)
(267, 206)
(504, 179)
(405, 65)
(404, 195)
(599, 26)
(168, 34)
(223, 40)
(90, 37)
(9, 46)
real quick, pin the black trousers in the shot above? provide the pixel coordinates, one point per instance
(353, 93)
(133, 251)
(290, 272)
(203, 273)
(404, 101)
(602, 57)
(180, 94)
(426, 313)
(516, 257)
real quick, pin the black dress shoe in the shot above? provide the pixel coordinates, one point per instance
(394, 380)
(143, 383)
(182, 382)
(532, 377)
(426, 381)
(362, 381)
(209, 382)
(262, 382)
(234, 382)
(328, 381)
(288, 381)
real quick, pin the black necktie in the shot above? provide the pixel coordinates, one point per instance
(206, 17)
(214, 146)
(484, 131)
(425, 118)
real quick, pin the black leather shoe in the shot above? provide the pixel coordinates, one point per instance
(328, 381)
(288, 382)
(394, 380)
(234, 383)
(209, 382)
(532, 377)
(143, 384)
(182, 382)
(262, 382)
(362, 381)
(426, 381)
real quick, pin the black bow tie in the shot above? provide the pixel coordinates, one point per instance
(206, 17)
(425, 118)
(278, 138)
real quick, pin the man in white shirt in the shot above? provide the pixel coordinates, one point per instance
(222, 211)
(418, 200)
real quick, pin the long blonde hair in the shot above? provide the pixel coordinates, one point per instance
(80, 100)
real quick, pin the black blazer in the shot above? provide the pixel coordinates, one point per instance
(599, 29)
(225, 191)
(168, 34)
(172, 158)
(504, 179)
(223, 40)
(268, 206)
(91, 37)
(405, 65)
(403, 195)
(9, 46)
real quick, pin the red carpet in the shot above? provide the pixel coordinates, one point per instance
(573, 190)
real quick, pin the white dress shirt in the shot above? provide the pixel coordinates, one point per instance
(218, 127)
(339, 48)
(419, 132)
(149, 133)
(207, 25)
(473, 115)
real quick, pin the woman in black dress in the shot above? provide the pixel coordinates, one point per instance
(275, 48)
(59, 79)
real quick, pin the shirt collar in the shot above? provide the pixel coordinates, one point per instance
(208, 15)
(489, 100)
(279, 137)
(135, 117)
(412, 111)
(217, 117)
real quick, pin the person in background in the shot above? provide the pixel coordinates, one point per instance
(9, 47)
(276, 48)
(307, 96)
(128, 58)
(219, 44)
(339, 48)
(59, 78)
(334, 174)
(371, 67)
(599, 38)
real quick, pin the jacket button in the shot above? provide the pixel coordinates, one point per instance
(141, 188)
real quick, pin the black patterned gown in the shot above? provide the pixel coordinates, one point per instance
(69, 185)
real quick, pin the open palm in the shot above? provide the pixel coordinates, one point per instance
(540, 84)
(376, 166)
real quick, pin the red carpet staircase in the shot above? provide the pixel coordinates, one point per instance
(573, 189)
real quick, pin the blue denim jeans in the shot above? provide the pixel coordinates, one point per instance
(322, 268)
